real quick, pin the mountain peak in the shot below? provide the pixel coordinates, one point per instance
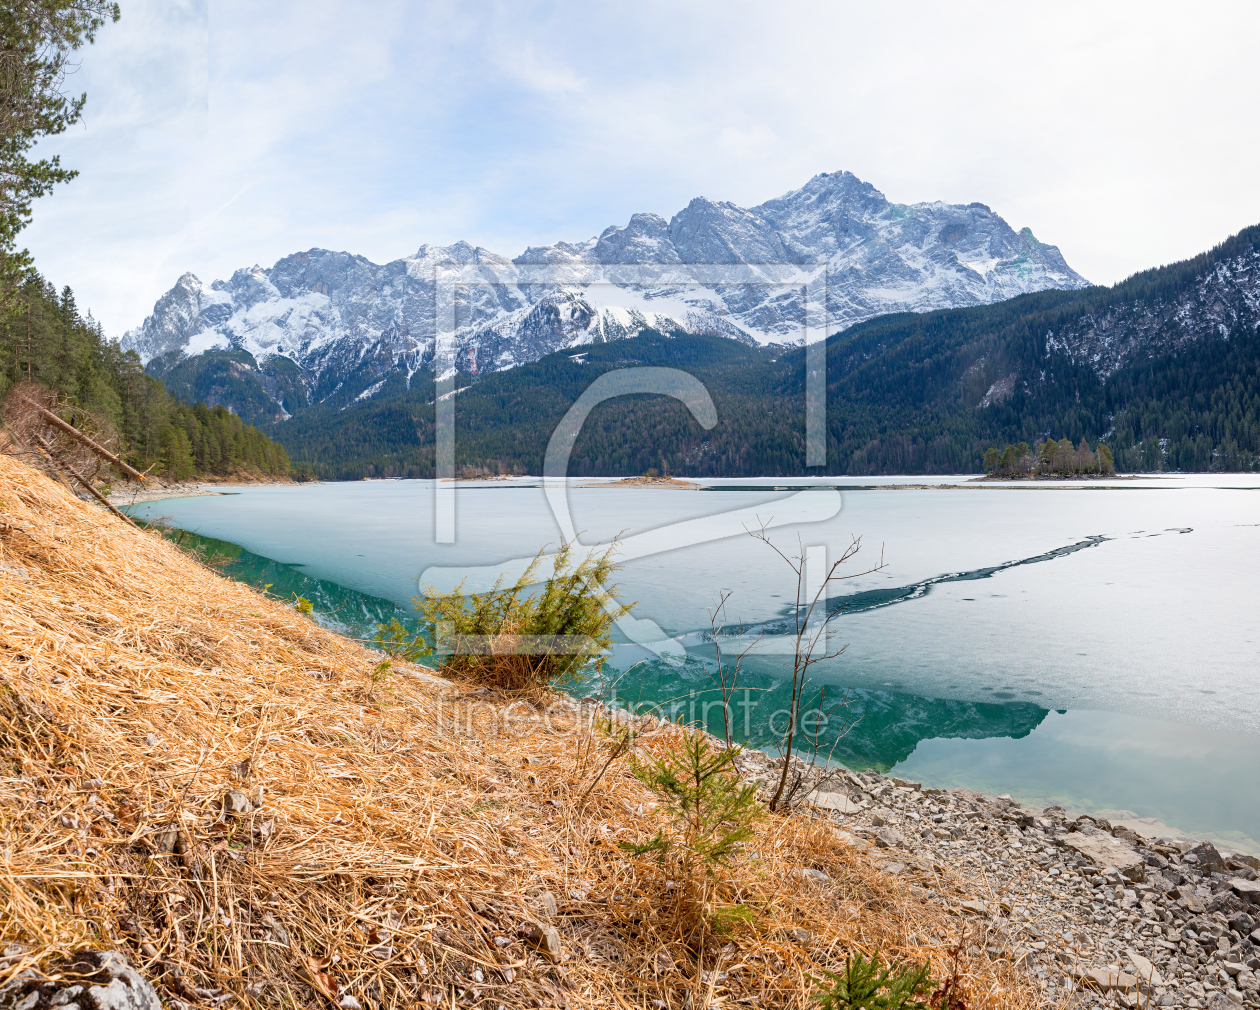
(347, 323)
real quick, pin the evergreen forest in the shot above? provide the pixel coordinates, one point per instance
(899, 408)
(45, 340)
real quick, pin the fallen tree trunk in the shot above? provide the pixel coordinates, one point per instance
(78, 436)
(87, 485)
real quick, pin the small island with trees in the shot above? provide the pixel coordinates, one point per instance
(1049, 460)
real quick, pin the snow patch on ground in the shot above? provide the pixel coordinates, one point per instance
(371, 391)
(206, 340)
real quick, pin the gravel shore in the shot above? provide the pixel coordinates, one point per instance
(155, 490)
(1097, 913)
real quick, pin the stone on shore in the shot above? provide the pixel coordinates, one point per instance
(1194, 904)
(849, 838)
(1249, 889)
(888, 839)
(834, 801)
(1108, 853)
(1109, 979)
(1145, 969)
(1208, 858)
(90, 980)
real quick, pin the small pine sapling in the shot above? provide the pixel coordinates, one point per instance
(866, 985)
(711, 814)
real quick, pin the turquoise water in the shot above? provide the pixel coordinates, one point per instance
(1092, 645)
(350, 613)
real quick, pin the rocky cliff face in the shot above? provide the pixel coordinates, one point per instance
(1222, 301)
(350, 325)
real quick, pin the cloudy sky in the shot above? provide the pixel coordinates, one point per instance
(222, 134)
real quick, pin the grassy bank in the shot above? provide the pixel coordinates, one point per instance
(249, 809)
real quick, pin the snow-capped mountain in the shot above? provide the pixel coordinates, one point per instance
(350, 325)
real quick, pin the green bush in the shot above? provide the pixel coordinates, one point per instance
(517, 640)
(396, 643)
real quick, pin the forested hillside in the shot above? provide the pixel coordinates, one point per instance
(45, 339)
(890, 410)
(1164, 368)
(927, 393)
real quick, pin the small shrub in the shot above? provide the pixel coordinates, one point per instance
(516, 640)
(726, 918)
(859, 986)
(396, 643)
(711, 814)
(378, 689)
(302, 605)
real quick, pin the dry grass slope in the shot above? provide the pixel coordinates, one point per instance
(396, 847)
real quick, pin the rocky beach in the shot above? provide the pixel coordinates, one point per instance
(1095, 912)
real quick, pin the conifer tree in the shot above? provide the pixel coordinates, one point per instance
(37, 41)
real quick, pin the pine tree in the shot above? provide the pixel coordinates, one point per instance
(37, 39)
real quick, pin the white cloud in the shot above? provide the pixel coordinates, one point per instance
(219, 135)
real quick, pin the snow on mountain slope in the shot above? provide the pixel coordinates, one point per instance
(1223, 301)
(345, 320)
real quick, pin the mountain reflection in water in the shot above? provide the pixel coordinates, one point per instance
(859, 727)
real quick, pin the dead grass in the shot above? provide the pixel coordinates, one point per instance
(405, 832)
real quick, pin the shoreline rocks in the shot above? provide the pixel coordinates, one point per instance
(155, 489)
(133, 495)
(1096, 913)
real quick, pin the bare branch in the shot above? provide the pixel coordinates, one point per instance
(809, 633)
